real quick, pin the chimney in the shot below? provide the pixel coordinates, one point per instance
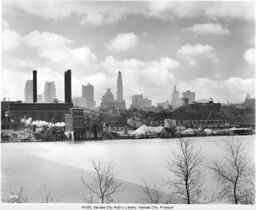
(65, 86)
(34, 86)
(67, 83)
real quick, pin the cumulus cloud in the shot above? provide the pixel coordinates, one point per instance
(10, 39)
(99, 13)
(193, 52)
(122, 42)
(233, 88)
(208, 28)
(59, 50)
(249, 56)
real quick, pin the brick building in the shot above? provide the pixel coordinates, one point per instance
(83, 126)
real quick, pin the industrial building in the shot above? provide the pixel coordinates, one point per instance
(13, 112)
(82, 126)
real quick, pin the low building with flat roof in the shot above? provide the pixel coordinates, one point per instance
(50, 112)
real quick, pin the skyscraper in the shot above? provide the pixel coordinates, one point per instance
(139, 102)
(49, 92)
(191, 96)
(119, 87)
(107, 100)
(29, 91)
(120, 102)
(175, 98)
(88, 95)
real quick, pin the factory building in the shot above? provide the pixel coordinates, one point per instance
(52, 112)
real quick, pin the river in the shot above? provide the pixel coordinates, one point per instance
(59, 165)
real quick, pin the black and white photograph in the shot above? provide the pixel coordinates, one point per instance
(127, 105)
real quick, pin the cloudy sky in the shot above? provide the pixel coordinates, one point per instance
(207, 47)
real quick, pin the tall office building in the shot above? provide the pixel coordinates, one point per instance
(107, 100)
(175, 98)
(120, 102)
(29, 91)
(49, 92)
(119, 87)
(191, 96)
(88, 95)
(139, 102)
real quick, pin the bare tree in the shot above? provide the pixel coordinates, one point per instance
(185, 166)
(233, 174)
(46, 195)
(153, 193)
(17, 196)
(104, 184)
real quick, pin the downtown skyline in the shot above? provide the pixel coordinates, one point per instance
(197, 46)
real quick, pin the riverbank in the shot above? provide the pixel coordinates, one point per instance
(8, 136)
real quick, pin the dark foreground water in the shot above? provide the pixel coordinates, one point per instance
(58, 166)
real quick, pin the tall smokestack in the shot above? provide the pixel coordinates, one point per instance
(34, 86)
(65, 86)
(68, 89)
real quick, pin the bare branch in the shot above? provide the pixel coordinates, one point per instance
(233, 174)
(153, 193)
(185, 166)
(104, 185)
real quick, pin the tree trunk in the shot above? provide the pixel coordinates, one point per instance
(187, 190)
(235, 196)
(235, 186)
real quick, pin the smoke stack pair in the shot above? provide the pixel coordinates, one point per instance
(34, 86)
(67, 86)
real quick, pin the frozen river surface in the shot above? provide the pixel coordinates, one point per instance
(54, 163)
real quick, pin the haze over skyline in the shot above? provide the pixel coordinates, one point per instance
(207, 47)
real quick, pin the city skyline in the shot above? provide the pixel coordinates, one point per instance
(211, 54)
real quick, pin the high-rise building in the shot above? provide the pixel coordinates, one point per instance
(120, 102)
(29, 91)
(40, 98)
(140, 103)
(175, 98)
(107, 100)
(191, 96)
(119, 87)
(88, 95)
(49, 92)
